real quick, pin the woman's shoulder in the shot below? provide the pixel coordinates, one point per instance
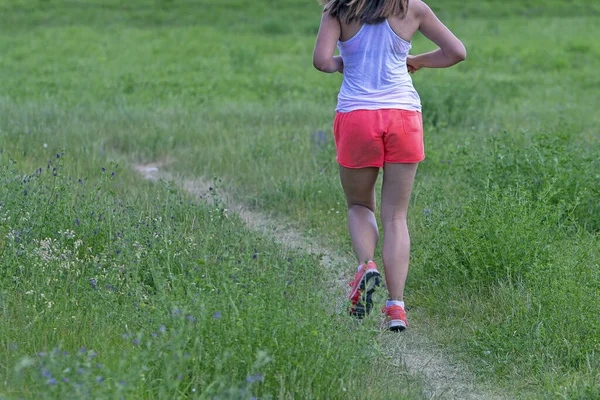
(417, 8)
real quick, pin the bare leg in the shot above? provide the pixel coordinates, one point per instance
(397, 185)
(359, 188)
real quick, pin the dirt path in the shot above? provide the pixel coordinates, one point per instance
(411, 349)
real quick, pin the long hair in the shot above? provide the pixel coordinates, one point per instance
(365, 11)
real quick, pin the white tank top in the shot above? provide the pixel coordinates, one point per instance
(375, 74)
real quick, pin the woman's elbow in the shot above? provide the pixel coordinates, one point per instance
(460, 54)
(320, 64)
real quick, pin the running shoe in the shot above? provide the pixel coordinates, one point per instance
(365, 281)
(395, 318)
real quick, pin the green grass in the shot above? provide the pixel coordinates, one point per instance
(504, 217)
(161, 297)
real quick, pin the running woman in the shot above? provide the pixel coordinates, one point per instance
(378, 124)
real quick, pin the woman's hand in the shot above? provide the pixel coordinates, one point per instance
(413, 64)
(340, 63)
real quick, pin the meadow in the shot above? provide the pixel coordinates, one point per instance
(113, 287)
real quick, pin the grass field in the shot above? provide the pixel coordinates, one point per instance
(131, 289)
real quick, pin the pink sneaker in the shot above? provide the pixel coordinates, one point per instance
(395, 318)
(363, 286)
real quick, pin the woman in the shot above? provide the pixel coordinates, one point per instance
(378, 124)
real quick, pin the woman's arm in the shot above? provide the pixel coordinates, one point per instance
(451, 50)
(323, 54)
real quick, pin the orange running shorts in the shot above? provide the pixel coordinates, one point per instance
(370, 138)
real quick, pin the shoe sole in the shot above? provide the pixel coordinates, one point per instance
(368, 284)
(397, 325)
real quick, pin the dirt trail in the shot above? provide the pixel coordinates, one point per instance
(411, 349)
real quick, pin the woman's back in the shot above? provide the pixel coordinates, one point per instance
(403, 26)
(375, 72)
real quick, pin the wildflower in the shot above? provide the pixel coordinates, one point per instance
(427, 211)
(99, 379)
(46, 373)
(93, 283)
(65, 380)
(122, 383)
(83, 349)
(255, 378)
(217, 315)
(255, 256)
(162, 329)
(112, 173)
(191, 318)
(103, 169)
(51, 381)
(136, 341)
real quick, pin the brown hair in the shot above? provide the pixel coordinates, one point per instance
(365, 11)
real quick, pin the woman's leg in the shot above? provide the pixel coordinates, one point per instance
(359, 188)
(395, 195)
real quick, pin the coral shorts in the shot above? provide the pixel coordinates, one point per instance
(370, 138)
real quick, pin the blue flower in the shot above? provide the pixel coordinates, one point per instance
(255, 378)
(217, 315)
(93, 283)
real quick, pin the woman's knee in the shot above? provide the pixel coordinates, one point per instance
(358, 205)
(392, 216)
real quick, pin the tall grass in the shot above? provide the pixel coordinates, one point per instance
(107, 297)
